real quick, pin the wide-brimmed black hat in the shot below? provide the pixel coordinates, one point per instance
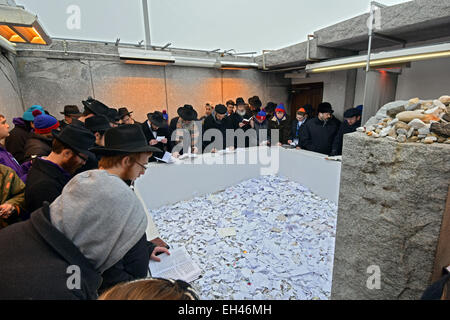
(325, 107)
(77, 138)
(96, 107)
(124, 112)
(157, 118)
(240, 101)
(125, 139)
(270, 107)
(71, 111)
(113, 115)
(220, 109)
(97, 123)
(187, 113)
(255, 102)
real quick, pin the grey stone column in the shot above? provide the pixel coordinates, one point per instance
(391, 204)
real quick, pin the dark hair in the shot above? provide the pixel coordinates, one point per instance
(58, 146)
(151, 289)
(231, 103)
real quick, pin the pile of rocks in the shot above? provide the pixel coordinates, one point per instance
(412, 121)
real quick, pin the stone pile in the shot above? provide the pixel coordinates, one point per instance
(412, 121)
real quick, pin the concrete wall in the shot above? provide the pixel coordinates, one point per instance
(425, 79)
(54, 80)
(10, 98)
(391, 205)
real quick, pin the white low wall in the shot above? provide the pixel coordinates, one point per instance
(165, 184)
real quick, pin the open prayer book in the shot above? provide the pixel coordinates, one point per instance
(167, 158)
(177, 266)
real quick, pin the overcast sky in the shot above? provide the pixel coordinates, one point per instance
(243, 25)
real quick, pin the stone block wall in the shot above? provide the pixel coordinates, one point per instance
(391, 205)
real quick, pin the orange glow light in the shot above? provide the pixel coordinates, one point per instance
(9, 34)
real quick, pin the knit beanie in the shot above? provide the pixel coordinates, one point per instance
(28, 115)
(165, 115)
(261, 116)
(44, 124)
(280, 108)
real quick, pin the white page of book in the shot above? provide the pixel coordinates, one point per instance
(177, 266)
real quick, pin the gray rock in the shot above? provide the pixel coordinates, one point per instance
(441, 129)
(446, 117)
(416, 124)
(402, 132)
(394, 111)
(413, 107)
(401, 137)
(424, 131)
(392, 198)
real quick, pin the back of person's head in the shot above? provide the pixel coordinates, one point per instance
(101, 215)
(151, 289)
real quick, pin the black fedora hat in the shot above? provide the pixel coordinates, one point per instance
(113, 115)
(124, 112)
(325, 107)
(220, 109)
(96, 107)
(76, 138)
(157, 118)
(240, 101)
(97, 123)
(125, 139)
(71, 111)
(187, 113)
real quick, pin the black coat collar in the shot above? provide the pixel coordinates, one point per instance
(65, 248)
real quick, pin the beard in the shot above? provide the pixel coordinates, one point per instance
(241, 113)
(71, 165)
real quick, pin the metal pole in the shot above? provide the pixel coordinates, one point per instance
(148, 43)
(369, 50)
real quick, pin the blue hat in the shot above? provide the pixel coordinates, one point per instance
(360, 108)
(44, 124)
(28, 115)
(280, 108)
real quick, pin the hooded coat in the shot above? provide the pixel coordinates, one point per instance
(15, 142)
(87, 230)
(8, 160)
(37, 145)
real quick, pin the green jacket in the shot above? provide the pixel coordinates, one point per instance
(12, 191)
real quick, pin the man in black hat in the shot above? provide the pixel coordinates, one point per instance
(125, 116)
(348, 126)
(49, 175)
(70, 113)
(125, 155)
(92, 108)
(98, 125)
(156, 132)
(217, 120)
(319, 133)
(185, 122)
(113, 117)
(255, 105)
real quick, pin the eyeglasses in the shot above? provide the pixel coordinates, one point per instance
(85, 159)
(144, 167)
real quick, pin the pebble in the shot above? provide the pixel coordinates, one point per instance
(401, 125)
(428, 140)
(413, 107)
(385, 132)
(441, 129)
(424, 131)
(413, 139)
(439, 104)
(391, 138)
(445, 99)
(401, 138)
(392, 122)
(408, 116)
(361, 129)
(414, 101)
(402, 132)
(416, 124)
(410, 133)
